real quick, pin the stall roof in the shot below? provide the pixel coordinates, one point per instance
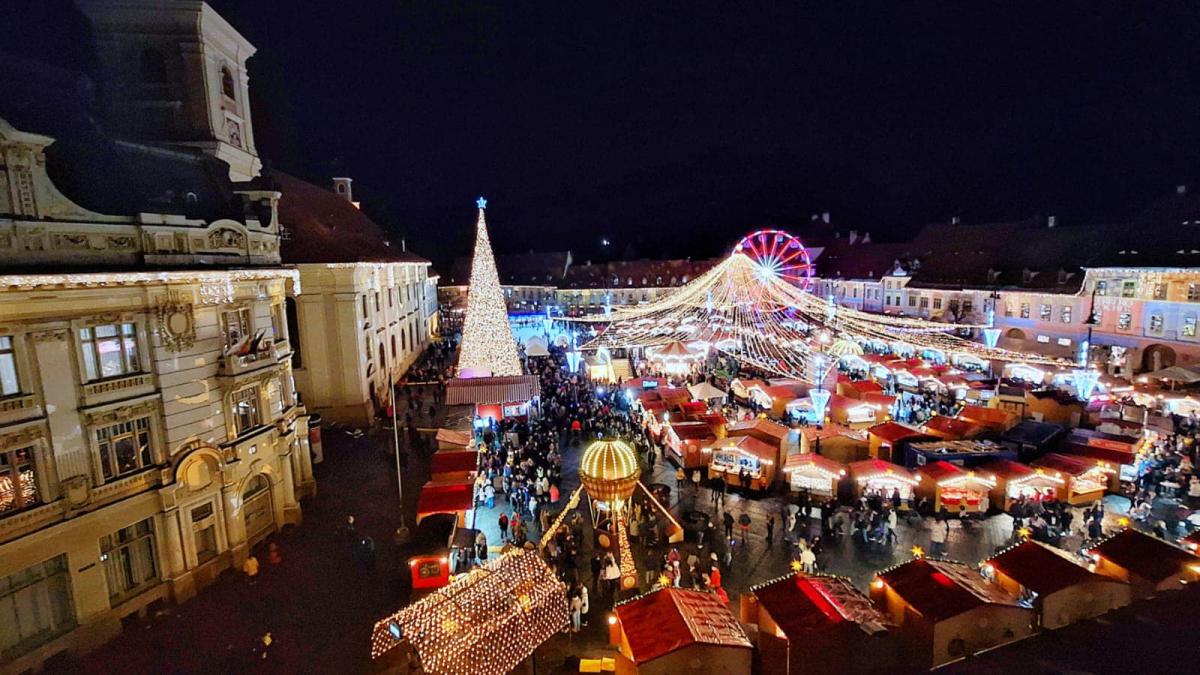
(1145, 555)
(946, 447)
(781, 392)
(1072, 466)
(669, 619)
(981, 415)
(799, 603)
(943, 589)
(446, 497)
(704, 391)
(748, 444)
(878, 467)
(798, 460)
(866, 386)
(831, 430)
(692, 431)
(949, 425)
(453, 460)
(762, 427)
(1006, 468)
(939, 471)
(1043, 569)
(893, 432)
(1037, 434)
(492, 390)
(455, 437)
(878, 399)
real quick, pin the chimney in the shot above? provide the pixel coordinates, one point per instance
(853, 237)
(342, 188)
(1181, 189)
(1051, 221)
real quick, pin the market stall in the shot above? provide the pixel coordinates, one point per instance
(877, 477)
(454, 497)
(852, 412)
(453, 465)
(887, 441)
(967, 454)
(686, 441)
(810, 472)
(1086, 481)
(732, 458)
(1016, 481)
(836, 442)
(955, 489)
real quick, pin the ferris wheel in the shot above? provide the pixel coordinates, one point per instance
(778, 254)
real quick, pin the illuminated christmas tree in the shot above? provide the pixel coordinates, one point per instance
(488, 347)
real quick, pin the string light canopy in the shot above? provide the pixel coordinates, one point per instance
(485, 622)
(765, 322)
(488, 347)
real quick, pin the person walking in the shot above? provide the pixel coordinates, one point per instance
(937, 537)
(728, 521)
(770, 531)
(891, 527)
(503, 523)
(680, 477)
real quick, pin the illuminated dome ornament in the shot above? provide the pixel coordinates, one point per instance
(609, 471)
(844, 347)
(778, 255)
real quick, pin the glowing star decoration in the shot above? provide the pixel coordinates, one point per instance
(1084, 381)
(488, 347)
(797, 566)
(481, 203)
(990, 337)
(918, 552)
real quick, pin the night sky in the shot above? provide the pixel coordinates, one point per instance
(673, 130)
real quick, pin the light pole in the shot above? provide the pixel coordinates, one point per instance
(403, 536)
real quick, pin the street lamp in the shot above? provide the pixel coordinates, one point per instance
(403, 536)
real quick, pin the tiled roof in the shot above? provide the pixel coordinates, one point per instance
(941, 589)
(799, 603)
(1042, 569)
(892, 432)
(669, 619)
(323, 227)
(750, 445)
(1006, 468)
(692, 431)
(764, 428)
(1071, 466)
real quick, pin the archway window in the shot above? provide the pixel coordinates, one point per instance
(256, 486)
(153, 67)
(227, 83)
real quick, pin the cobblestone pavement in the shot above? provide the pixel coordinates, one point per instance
(319, 604)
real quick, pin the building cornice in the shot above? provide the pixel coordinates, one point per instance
(29, 282)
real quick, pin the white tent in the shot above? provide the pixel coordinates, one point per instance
(705, 391)
(536, 346)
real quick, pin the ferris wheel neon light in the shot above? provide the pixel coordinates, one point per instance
(778, 255)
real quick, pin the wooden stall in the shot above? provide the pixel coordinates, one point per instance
(1054, 584)
(956, 489)
(946, 611)
(874, 476)
(686, 442)
(1015, 481)
(729, 457)
(1086, 481)
(885, 440)
(836, 442)
(1149, 564)
(950, 428)
(676, 630)
(820, 476)
(818, 625)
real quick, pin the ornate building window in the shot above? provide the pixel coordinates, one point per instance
(227, 87)
(245, 408)
(129, 561)
(18, 480)
(10, 381)
(124, 447)
(109, 351)
(35, 605)
(236, 325)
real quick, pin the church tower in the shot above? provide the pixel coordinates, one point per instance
(174, 71)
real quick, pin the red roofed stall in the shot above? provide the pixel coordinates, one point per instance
(956, 489)
(671, 630)
(1149, 564)
(1016, 481)
(455, 497)
(874, 476)
(1061, 589)
(1086, 480)
(819, 475)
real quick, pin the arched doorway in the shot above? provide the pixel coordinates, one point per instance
(1157, 357)
(258, 509)
(1014, 334)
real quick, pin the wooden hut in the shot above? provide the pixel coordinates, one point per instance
(885, 439)
(991, 419)
(1149, 564)
(676, 630)
(1086, 481)
(1061, 590)
(946, 611)
(686, 441)
(956, 489)
(450, 439)
(835, 442)
(819, 475)
(1015, 480)
(729, 457)
(950, 428)
(764, 430)
(873, 476)
(818, 625)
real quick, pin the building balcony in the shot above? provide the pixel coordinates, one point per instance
(234, 365)
(103, 391)
(19, 408)
(125, 487)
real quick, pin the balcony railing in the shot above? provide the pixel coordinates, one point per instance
(117, 385)
(126, 487)
(233, 365)
(29, 520)
(18, 402)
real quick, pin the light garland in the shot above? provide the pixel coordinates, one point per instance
(766, 323)
(488, 346)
